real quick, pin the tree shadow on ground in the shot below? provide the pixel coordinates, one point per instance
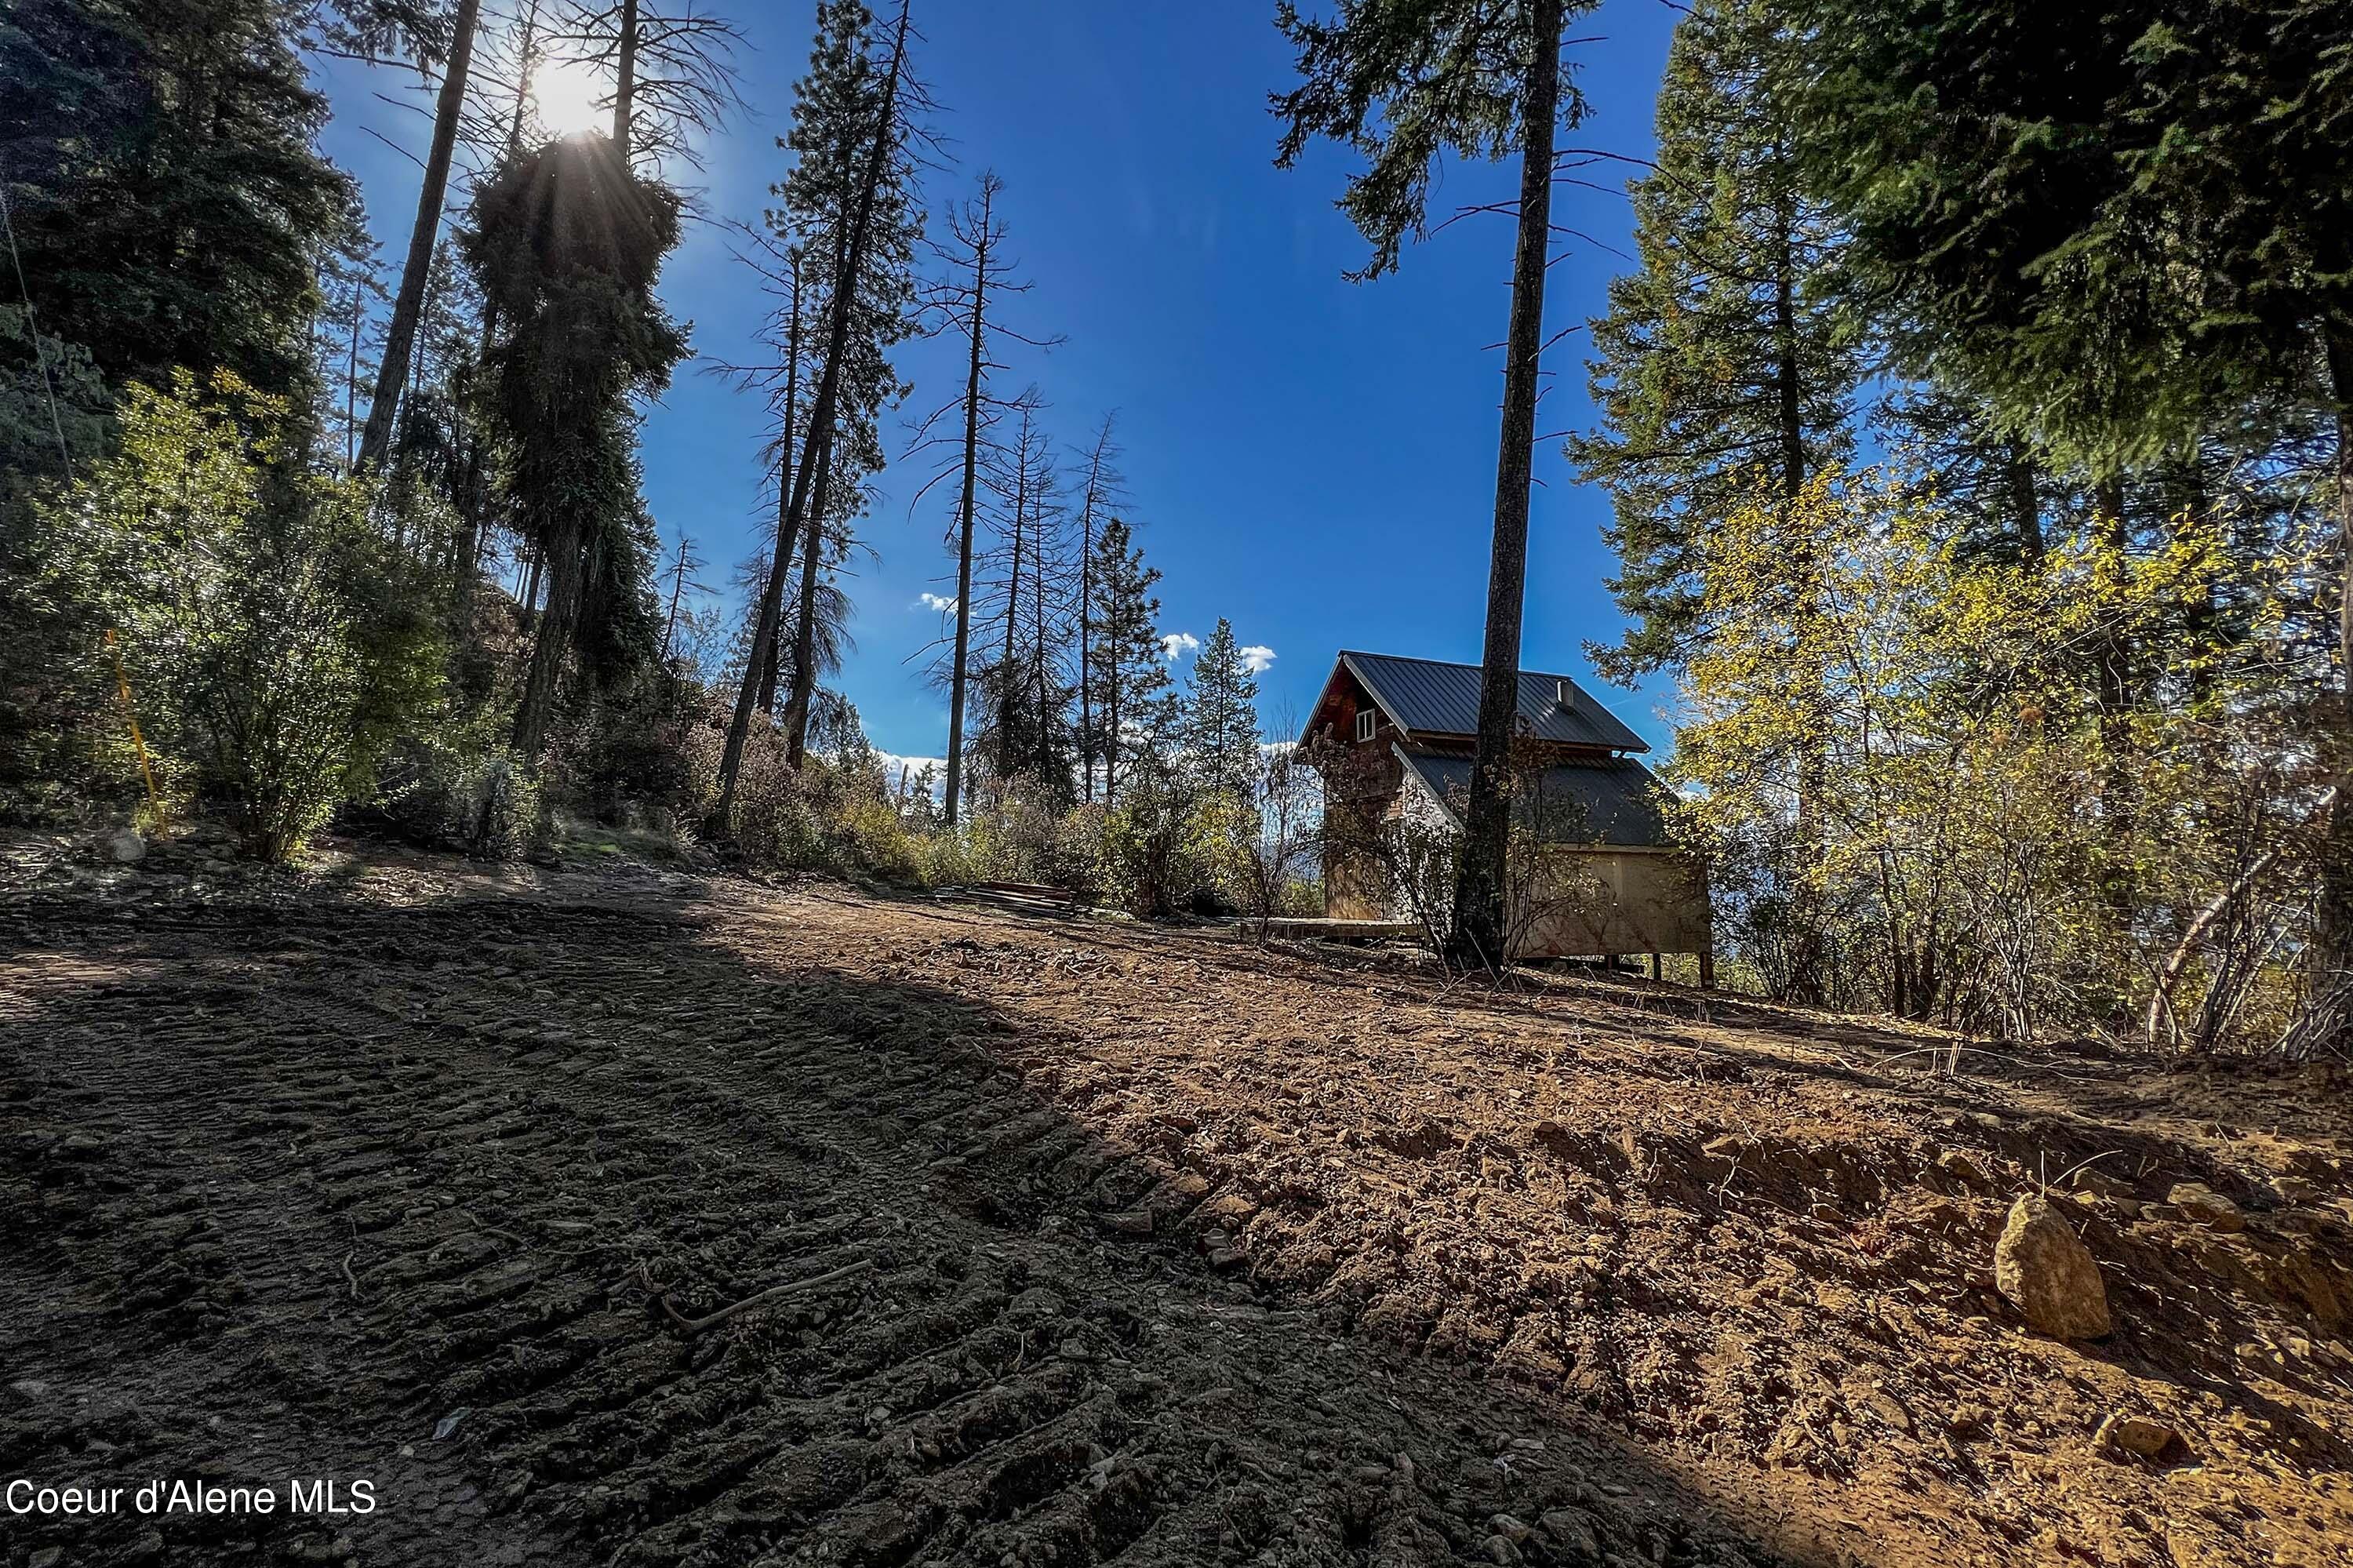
(435, 1197)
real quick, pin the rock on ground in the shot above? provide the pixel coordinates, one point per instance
(2202, 1204)
(2045, 1271)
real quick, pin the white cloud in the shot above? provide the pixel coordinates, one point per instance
(1257, 657)
(928, 600)
(893, 762)
(1176, 644)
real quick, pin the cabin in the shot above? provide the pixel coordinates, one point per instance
(1596, 873)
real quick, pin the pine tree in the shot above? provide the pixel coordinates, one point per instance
(1102, 488)
(1718, 360)
(567, 245)
(1720, 368)
(979, 275)
(1221, 730)
(168, 201)
(2123, 227)
(1404, 84)
(849, 201)
(839, 143)
(1132, 701)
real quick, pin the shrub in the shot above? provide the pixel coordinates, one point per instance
(268, 629)
(464, 792)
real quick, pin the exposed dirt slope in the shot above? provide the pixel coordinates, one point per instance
(1130, 1246)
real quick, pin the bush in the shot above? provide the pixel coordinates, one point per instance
(1168, 850)
(467, 794)
(270, 634)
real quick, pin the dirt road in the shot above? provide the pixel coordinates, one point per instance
(1067, 1242)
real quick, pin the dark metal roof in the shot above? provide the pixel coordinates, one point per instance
(1608, 800)
(1428, 699)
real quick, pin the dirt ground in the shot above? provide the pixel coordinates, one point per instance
(1098, 1243)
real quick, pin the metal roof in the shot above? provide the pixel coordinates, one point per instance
(1608, 800)
(1428, 698)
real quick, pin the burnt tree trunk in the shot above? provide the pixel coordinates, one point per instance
(828, 386)
(1479, 879)
(625, 87)
(965, 516)
(392, 373)
(796, 716)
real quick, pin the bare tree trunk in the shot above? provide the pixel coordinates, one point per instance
(2168, 976)
(2332, 979)
(2025, 504)
(1477, 940)
(392, 373)
(625, 89)
(677, 591)
(1111, 734)
(828, 387)
(1807, 956)
(796, 718)
(2112, 698)
(1086, 613)
(565, 572)
(964, 511)
(765, 641)
(524, 59)
(1044, 719)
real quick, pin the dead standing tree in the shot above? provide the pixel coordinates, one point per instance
(409, 304)
(978, 274)
(673, 71)
(884, 137)
(1022, 602)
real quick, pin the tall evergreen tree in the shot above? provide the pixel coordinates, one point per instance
(1221, 730)
(2122, 225)
(1719, 360)
(1404, 84)
(874, 272)
(567, 245)
(1103, 489)
(1720, 367)
(1132, 702)
(168, 200)
(848, 198)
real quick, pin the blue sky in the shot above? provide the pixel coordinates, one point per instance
(1310, 457)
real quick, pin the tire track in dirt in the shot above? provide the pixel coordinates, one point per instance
(289, 1196)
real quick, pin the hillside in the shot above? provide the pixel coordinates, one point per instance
(1092, 1242)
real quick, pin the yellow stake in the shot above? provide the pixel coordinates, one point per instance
(130, 714)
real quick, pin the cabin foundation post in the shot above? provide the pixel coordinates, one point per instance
(1707, 968)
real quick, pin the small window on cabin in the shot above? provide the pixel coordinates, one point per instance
(1367, 720)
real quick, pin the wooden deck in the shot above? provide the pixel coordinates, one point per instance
(1301, 928)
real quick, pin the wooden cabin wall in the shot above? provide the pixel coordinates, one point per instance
(1592, 902)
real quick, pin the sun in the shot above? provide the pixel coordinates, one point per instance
(567, 97)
